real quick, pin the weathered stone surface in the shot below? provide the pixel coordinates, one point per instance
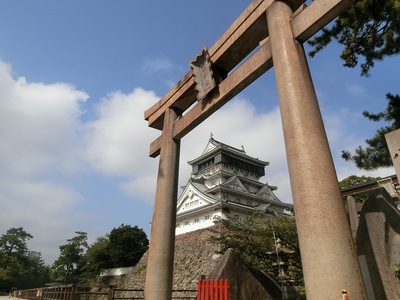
(195, 255)
(378, 242)
(327, 251)
(244, 282)
(393, 142)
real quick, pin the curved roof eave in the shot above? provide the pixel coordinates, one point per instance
(262, 209)
(226, 148)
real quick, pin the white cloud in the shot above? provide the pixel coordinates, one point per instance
(39, 130)
(37, 124)
(143, 185)
(118, 139)
(155, 65)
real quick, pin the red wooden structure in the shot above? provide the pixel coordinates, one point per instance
(208, 289)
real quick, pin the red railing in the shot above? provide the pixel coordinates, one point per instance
(208, 289)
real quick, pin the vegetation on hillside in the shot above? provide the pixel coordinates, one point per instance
(254, 240)
(20, 267)
(78, 262)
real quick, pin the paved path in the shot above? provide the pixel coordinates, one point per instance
(6, 298)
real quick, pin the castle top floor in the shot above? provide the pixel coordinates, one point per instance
(232, 159)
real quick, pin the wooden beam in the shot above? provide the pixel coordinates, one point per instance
(155, 147)
(231, 48)
(316, 15)
(256, 65)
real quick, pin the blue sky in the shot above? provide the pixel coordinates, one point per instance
(76, 77)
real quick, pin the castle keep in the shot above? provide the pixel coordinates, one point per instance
(225, 180)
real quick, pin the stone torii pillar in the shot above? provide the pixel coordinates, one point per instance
(266, 34)
(393, 141)
(327, 251)
(159, 272)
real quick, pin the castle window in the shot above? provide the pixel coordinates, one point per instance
(196, 220)
(207, 217)
(206, 164)
(186, 223)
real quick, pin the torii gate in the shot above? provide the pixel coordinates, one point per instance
(274, 30)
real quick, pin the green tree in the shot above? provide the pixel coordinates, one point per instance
(35, 273)
(127, 245)
(69, 264)
(376, 154)
(97, 258)
(369, 29)
(20, 267)
(122, 247)
(254, 240)
(353, 181)
(13, 245)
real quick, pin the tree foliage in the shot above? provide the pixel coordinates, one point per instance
(78, 261)
(127, 245)
(20, 267)
(68, 266)
(254, 240)
(97, 258)
(122, 247)
(369, 29)
(13, 245)
(376, 154)
(353, 181)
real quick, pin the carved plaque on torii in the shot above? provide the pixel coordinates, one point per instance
(203, 74)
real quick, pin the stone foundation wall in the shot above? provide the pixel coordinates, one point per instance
(195, 255)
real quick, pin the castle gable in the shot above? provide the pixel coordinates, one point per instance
(192, 199)
(267, 193)
(234, 183)
(211, 145)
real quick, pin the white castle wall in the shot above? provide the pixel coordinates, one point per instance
(197, 222)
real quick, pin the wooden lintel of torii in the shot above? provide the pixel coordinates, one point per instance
(248, 32)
